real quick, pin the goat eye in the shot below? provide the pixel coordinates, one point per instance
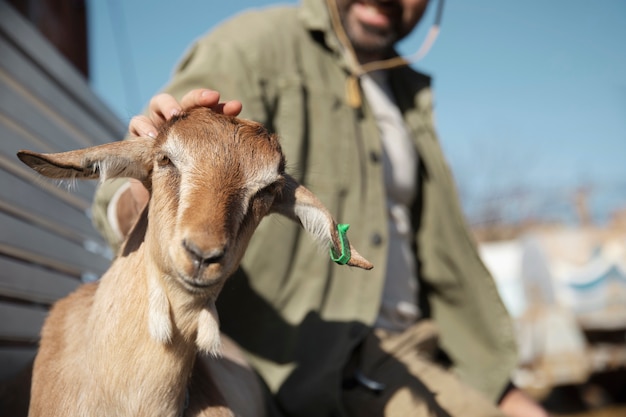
(163, 161)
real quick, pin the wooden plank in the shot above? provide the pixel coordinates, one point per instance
(27, 139)
(25, 241)
(47, 242)
(21, 323)
(12, 142)
(44, 101)
(52, 225)
(28, 282)
(23, 37)
(96, 246)
(25, 199)
(27, 108)
(14, 167)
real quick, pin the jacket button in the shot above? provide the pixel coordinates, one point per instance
(374, 157)
(376, 239)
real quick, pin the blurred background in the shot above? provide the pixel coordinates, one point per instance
(531, 112)
(530, 96)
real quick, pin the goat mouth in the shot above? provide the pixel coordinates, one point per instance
(197, 285)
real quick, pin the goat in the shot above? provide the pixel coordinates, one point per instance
(131, 343)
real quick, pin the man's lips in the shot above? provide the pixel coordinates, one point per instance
(371, 15)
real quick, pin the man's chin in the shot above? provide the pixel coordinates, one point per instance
(379, 46)
(370, 40)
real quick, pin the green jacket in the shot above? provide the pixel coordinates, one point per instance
(298, 315)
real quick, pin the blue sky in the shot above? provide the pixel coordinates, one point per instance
(530, 96)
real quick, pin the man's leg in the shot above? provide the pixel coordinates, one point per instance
(414, 384)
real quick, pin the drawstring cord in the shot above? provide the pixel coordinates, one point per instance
(353, 91)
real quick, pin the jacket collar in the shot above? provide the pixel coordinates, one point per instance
(314, 14)
(315, 17)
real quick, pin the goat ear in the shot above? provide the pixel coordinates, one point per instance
(129, 158)
(301, 205)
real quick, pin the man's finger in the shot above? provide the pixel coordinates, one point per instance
(142, 126)
(211, 99)
(162, 107)
(201, 97)
(232, 108)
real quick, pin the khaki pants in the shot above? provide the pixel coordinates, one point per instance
(414, 384)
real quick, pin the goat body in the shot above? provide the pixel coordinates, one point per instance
(132, 344)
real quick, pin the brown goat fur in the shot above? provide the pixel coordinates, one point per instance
(130, 344)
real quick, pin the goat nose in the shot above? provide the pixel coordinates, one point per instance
(203, 257)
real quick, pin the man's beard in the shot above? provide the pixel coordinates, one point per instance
(371, 41)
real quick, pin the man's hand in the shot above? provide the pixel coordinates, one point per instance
(164, 106)
(129, 201)
(516, 403)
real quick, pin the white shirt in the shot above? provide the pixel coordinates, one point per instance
(399, 307)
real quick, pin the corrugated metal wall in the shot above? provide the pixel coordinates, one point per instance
(47, 242)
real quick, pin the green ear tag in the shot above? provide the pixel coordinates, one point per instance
(345, 248)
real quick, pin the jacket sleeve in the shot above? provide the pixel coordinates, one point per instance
(476, 330)
(209, 63)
